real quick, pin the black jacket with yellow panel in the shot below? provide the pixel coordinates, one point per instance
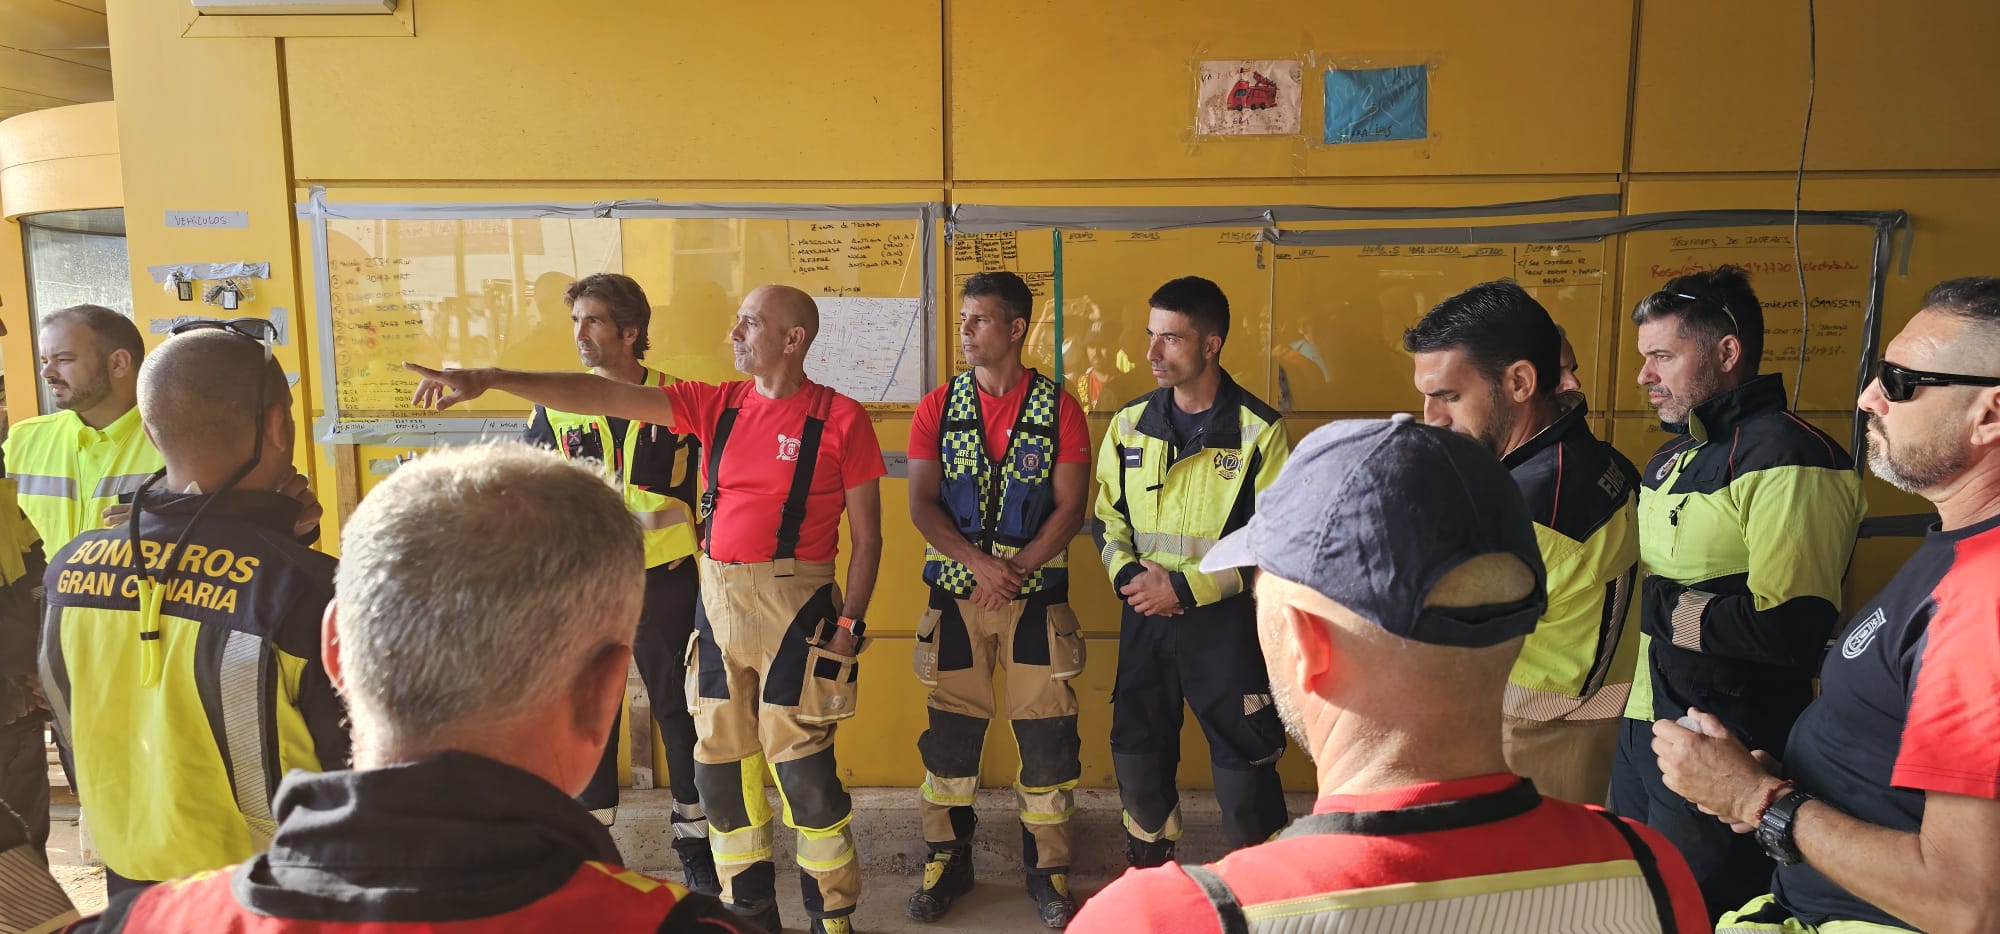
(182, 700)
(1746, 525)
(1577, 664)
(1169, 500)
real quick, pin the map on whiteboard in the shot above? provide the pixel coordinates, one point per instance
(871, 349)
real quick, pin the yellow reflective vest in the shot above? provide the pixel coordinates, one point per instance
(654, 468)
(1170, 504)
(68, 473)
(181, 713)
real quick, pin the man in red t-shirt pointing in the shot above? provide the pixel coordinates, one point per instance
(772, 665)
(999, 478)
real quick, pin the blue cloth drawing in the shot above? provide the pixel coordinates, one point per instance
(1367, 105)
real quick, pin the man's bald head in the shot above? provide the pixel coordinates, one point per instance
(788, 307)
(198, 398)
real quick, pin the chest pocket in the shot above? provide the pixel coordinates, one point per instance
(580, 442)
(663, 465)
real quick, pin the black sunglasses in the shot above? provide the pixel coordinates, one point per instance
(265, 334)
(1900, 383)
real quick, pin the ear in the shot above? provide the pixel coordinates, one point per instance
(1313, 650)
(1017, 330)
(1985, 418)
(628, 336)
(600, 690)
(1518, 381)
(795, 339)
(1211, 346)
(1729, 352)
(329, 644)
(119, 363)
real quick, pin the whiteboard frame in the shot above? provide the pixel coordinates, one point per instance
(430, 430)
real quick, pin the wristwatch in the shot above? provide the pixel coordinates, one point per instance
(1775, 831)
(852, 624)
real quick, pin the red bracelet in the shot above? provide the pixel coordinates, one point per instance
(1777, 791)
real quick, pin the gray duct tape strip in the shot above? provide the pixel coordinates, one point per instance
(317, 206)
(329, 394)
(1596, 228)
(1871, 335)
(927, 254)
(990, 218)
(417, 432)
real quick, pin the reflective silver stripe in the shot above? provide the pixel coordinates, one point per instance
(243, 730)
(34, 901)
(1158, 543)
(1527, 902)
(44, 485)
(1532, 704)
(120, 485)
(676, 514)
(52, 686)
(1229, 583)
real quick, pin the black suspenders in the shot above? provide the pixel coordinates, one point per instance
(792, 517)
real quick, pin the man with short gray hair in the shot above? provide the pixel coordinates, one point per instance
(487, 602)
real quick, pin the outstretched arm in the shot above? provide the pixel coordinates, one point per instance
(583, 393)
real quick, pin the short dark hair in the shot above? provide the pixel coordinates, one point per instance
(1710, 305)
(623, 299)
(1013, 293)
(1974, 298)
(112, 330)
(1497, 324)
(1199, 299)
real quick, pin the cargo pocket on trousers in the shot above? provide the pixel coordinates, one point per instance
(925, 659)
(691, 662)
(832, 686)
(1066, 652)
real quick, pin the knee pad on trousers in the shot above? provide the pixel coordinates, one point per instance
(1253, 804)
(814, 796)
(953, 744)
(1150, 798)
(1051, 751)
(733, 793)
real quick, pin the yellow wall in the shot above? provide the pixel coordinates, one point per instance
(1673, 105)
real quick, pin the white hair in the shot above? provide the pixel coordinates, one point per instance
(475, 584)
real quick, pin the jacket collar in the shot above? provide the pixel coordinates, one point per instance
(448, 837)
(1722, 413)
(274, 511)
(1225, 423)
(121, 430)
(1565, 427)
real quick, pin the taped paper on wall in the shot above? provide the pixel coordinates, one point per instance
(870, 349)
(1368, 105)
(1255, 97)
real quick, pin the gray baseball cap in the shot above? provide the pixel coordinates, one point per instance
(1372, 512)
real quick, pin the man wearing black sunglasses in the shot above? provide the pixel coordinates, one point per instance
(1747, 517)
(1886, 807)
(181, 653)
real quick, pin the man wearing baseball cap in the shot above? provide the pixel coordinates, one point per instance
(1399, 555)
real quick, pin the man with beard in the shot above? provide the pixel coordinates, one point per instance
(1419, 825)
(1487, 363)
(655, 472)
(1180, 468)
(1885, 812)
(74, 464)
(1746, 522)
(999, 479)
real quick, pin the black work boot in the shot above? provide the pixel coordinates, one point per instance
(1050, 890)
(1143, 854)
(698, 865)
(947, 875)
(761, 915)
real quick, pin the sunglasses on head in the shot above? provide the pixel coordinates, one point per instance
(256, 329)
(1900, 383)
(1734, 327)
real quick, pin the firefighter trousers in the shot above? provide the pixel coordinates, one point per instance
(659, 651)
(1207, 658)
(1035, 640)
(766, 697)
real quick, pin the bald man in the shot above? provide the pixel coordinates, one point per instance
(1420, 826)
(182, 662)
(773, 660)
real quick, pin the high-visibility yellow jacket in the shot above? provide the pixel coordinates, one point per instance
(1170, 503)
(69, 473)
(181, 712)
(1583, 495)
(655, 469)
